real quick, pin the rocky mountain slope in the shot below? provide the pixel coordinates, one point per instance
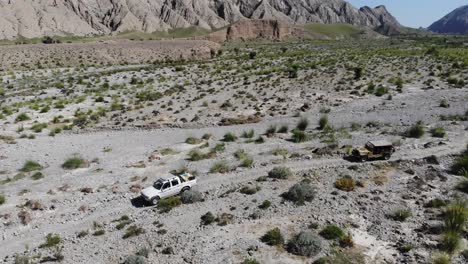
(454, 22)
(37, 18)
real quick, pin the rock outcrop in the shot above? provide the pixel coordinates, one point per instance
(35, 18)
(456, 22)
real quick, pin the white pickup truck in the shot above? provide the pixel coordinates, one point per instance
(167, 186)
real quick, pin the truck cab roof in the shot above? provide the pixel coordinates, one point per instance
(380, 143)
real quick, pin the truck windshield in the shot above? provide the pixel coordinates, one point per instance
(158, 184)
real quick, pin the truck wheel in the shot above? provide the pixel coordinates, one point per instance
(185, 189)
(386, 157)
(155, 200)
(364, 158)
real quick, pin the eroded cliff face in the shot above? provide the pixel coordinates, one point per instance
(35, 18)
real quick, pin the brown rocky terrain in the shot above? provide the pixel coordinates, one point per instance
(30, 19)
(104, 53)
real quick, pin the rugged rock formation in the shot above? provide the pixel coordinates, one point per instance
(253, 29)
(34, 18)
(455, 22)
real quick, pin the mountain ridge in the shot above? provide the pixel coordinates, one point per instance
(27, 18)
(454, 22)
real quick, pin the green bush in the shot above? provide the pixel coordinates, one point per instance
(460, 166)
(250, 261)
(229, 137)
(37, 176)
(332, 232)
(345, 184)
(133, 231)
(299, 136)
(22, 117)
(280, 173)
(193, 141)
(196, 155)
(265, 205)
(441, 258)
(51, 240)
(283, 129)
(455, 216)
(304, 244)
(249, 189)
(31, 165)
(74, 163)
(438, 132)
(220, 167)
(450, 242)
(401, 214)
(416, 131)
(302, 124)
(323, 122)
(300, 193)
(2, 199)
(167, 204)
(273, 237)
(271, 130)
(207, 218)
(248, 134)
(191, 196)
(381, 90)
(463, 186)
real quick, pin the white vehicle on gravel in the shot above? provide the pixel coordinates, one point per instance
(168, 186)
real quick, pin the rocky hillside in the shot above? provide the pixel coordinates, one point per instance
(455, 22)
(37, 18)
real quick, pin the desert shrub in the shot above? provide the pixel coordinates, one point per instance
(331, 232)
(455, 216)
(438, 132)
(22, 117)
(358, 71)
(271, 130)
(220, 167)
(299, 136)
(304, 244)
(167, 204)
(191, 196)
(416, 131)
(302, 124)
(347, 241)
(444, 103)
(193, 140)
(218, 148)
(265, 205)
(273, 237)
(249, 189)
(51, 240)
(74, 163)
(300, 193)
(2, 199)
(401, 214)
(463, 186)
(450, 242)
(135, 260)
(37, 176)
(132, 231)
(381, 90)
(280, 173)
(441, 258)
(248, 134)
(250, 261)
(82, 233)
(436, 203)
(345, 184)
(323, 122)
(240, 154)
(207, 218)
(259, 140)
(224, 219)
(99, 232)
(283, 129)
(196, 155)
(460, 166)
(229, 137)
(247, 162)
(31, 165)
